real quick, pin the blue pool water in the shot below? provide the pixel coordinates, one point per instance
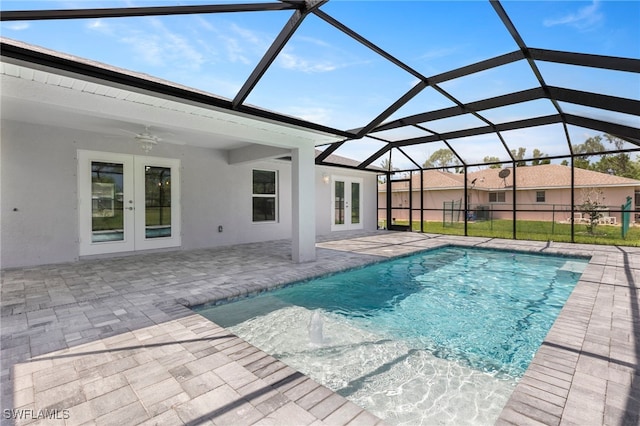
(439, 337)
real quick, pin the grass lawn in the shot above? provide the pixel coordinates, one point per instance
(535, 230)
(152, 218)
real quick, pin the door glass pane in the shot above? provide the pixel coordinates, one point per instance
(157, 202)
(355, 202)
(107, 218)
(339, 203)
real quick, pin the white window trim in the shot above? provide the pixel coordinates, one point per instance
(276, 196)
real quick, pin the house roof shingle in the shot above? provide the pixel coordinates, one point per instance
(547, 176)
(529, 177)
(339, 160)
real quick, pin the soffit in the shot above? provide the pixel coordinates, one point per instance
(44, 96)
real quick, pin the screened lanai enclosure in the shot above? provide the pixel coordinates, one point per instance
(481, 118)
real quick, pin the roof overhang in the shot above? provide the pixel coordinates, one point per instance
(40, 87)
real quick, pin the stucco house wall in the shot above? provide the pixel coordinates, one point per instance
(433, 203)
(557, 205)
(39, 188)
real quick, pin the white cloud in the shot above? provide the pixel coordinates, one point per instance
(319, 56)
(101, 26)
(204, 23)
(18, 26)
(239, 44)
(585, 18)
(219, 40)
(290, 61)
(252, 37)
(313, 40)
(314, 114)
(177, 47)
(153, 43)
(181, 52)
(220, 86)
(235, 50)
(146, 47)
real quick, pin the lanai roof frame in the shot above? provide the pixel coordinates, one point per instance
(303, 8)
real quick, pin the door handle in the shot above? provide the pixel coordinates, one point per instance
(129, 208)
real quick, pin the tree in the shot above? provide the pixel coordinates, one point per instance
(441, 159)
(590, 146)
(539, 158)
(518, 156)
(592, 204)
(619, 143)
(490, 159)
(619, 164)
(386, 164)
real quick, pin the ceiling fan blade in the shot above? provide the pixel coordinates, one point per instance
(126, 131)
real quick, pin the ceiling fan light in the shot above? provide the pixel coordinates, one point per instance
(146, 144)
(146, 141)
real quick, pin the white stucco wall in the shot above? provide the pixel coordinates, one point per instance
(39, 218)
(39, 215)
(217, 194)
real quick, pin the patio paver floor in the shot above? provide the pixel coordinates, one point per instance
(111, 341)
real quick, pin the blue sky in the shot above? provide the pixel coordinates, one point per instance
(326, 77)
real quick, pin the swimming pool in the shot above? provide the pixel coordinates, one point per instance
(437, 337)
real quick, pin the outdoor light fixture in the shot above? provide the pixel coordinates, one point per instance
(325, 178)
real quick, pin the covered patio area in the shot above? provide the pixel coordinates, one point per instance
(112, 341)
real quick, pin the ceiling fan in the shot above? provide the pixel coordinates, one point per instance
(146, 140)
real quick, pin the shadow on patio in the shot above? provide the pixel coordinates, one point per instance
(111, 341)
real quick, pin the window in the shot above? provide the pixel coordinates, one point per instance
(496, 197)
(265, 196)
(540, 198)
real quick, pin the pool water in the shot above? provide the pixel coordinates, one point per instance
(439, 337)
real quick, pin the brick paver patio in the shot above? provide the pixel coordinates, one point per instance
(111, 341)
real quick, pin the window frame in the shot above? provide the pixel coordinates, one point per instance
(274, 196)
(541, 196)
(497, 196)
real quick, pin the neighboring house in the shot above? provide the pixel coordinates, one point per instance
(543, 192)
(94, 168)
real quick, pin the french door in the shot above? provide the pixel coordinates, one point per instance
(127, 202)
(346, 209)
